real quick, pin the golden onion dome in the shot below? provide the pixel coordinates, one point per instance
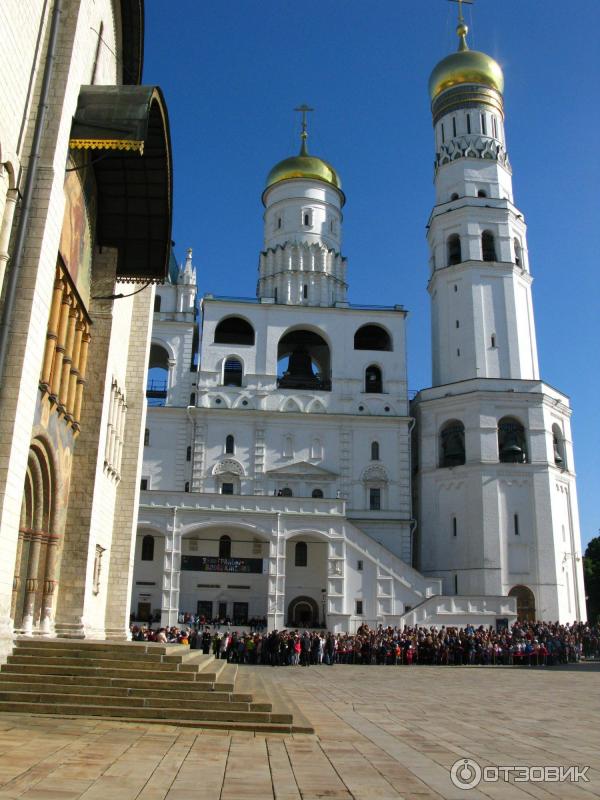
(304, 166)
(465, 66)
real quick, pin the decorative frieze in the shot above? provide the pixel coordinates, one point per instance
(473, 146)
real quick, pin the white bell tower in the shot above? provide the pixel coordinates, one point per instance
(301, 263)
(496, 483)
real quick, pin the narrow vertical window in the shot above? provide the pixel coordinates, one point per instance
(374, 451)
(493, 340)
(483, 125)
(458, 351)
(443, 134)
(468, 123)
(494, 127)
(455, 288)
(456, 584)
(454, 527)
(230, 444)
(305, 291)
(374, 499)
(279, 222)
(275, 295)
(457, 324)
(359, 607)
(306, 219)
(187, 486)
(193, 399)
(188, 454)
(359, 565)
(146, 437)
(148, 548)
(516, 524)
(454, 126)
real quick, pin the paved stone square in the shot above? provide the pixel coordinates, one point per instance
(381, 732)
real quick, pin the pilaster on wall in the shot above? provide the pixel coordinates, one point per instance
(171, 573)
(259, 460)
(122, 551)
(276, 583)
(198, 440)
(74, 557)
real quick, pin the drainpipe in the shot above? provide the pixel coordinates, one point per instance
(30, 181)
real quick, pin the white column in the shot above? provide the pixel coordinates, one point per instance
(171, 573)
(276, 585)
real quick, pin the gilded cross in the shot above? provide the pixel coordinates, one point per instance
(460, 8)
(304, 109)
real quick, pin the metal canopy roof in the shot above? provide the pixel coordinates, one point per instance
(129, 127)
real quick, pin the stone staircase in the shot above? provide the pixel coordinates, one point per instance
(139, 682)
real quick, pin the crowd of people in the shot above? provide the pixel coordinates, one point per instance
(525, 643)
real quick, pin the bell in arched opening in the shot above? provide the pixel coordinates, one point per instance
(299, 374)
(511, 442)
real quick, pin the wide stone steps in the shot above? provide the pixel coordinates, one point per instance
(167, 684)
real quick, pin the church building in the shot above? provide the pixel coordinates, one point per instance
(287, 475)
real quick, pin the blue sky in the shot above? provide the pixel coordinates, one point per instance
(232, 72)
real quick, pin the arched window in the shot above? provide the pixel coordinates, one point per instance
(158, 376)
(452, 444)
(301, 554)
(454, 249)
(306, 219)
(157, 302)
(303, 361)
(372, 337)
(229, 444)
(225, 547)
(512, 445)
(454, 196)
(285, 492)
(558, 446)
(373, 382)
(518, 253)
(374, 451)
(317, 493)
(232, 372)
(234, 330)
(148, 548)
(525, 603)
(316, 449)
(488, 246)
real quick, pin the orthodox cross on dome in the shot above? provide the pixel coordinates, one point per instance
(304, 110)
(460, 8)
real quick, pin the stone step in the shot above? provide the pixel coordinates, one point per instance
(106, 687)
(90, 661)
(66, 709)
(101, 646)
(18, 695)
(225, 685)
(32, 651)
(251, 727)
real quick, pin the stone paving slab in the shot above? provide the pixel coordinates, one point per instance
(381, 733)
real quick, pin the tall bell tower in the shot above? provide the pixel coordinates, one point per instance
(496, 483)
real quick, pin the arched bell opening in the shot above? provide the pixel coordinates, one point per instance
(303, 361)
(158, 376)
(234, 330)
(558, 447)
(452, 444)
(525, 603)
(512, 444)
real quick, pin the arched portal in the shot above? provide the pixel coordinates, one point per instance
(303, 612)
(525, 603)
(36, 561)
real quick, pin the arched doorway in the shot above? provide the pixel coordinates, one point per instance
(34, 580)
(525, 603)
(303, 612)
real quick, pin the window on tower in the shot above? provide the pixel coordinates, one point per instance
(488, 246)
(518, 253)
(512, 444)
(483, 125)
(468, 123)
(375, 499)
(373, 381)
(157, 302)
(234, 330)
(452, 444)
(229, 444)
(301, 554)
(148, 548)
(454, 249)
(454, 126)
(481, 193)
(232, 372)
(374, 451)
(372, 337)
